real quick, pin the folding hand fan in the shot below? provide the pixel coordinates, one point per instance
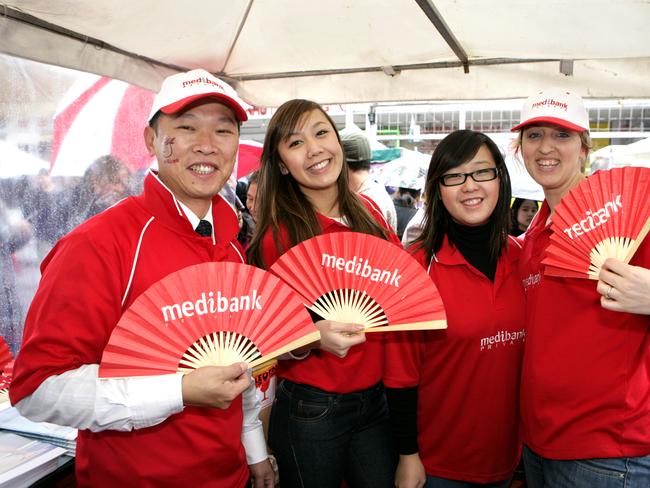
(607, 215)
(5, 354)
(208, 314)
(358, 278)
(5, 379)
(5, 382)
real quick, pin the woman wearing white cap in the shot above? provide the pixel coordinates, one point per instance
(585, 394)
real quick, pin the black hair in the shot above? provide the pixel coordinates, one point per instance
(454, 150)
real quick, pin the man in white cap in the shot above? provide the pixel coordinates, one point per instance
(160, 431)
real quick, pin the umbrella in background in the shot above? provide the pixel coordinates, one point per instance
(408, 171)
(100, 116)
(16, 162)
(248, 159)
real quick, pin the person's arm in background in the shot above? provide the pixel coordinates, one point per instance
(413, 228)
(624, 287)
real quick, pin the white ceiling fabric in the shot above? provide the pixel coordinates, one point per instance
(346, 43)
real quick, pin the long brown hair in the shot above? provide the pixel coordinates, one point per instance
(454, 150)
(280, 201)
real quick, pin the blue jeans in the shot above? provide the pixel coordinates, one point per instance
(632, 472)
(321, 438)
(435, 482)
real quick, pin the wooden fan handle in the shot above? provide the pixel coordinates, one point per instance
(637, 242)
(432, 325)
(303, 341)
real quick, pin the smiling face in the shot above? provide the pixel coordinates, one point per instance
(525, 214)
(313, 156)
(196, 152)
(553, 157)
(472, 203)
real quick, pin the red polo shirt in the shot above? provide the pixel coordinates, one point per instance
(468, 375)
(586, 383)
(362, 367)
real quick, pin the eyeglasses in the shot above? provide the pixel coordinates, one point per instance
(455, 179)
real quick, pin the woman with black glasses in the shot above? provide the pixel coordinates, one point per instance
(454, 393)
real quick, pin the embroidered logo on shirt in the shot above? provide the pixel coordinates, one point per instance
(503, 338)
(530, 280)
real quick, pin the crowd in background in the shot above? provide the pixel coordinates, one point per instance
(36, 211)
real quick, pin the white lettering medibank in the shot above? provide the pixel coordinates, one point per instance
(503, 336)
(210, 304)
(361, 267)
(594, 219)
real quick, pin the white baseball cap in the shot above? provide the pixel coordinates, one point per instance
(181, 89)
(555, 106)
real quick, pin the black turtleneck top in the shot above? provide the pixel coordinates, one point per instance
(473, 242)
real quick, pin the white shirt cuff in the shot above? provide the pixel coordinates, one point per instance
(255, 445)
(152, 399)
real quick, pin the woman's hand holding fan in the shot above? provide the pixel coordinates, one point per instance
(624, 288)
(337, 338)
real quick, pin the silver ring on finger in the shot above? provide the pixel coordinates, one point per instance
(608, 295)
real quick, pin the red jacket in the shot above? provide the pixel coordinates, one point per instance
(468, 375)
(585, 389)
(89, 278)
(363, 365)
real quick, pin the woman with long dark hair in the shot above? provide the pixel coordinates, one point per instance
(329, 421)
(456, 390)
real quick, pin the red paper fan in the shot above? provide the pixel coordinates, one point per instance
(5, 354)
(208, 314)
(5, 380)
(607, 215)
(358, 278)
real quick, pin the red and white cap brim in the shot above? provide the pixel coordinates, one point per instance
(549, 120)
(179, 105)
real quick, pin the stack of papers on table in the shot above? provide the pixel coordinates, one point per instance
(65, 437)
(24, 461)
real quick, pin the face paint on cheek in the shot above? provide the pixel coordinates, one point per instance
(168, 150)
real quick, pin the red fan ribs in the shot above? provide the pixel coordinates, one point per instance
(361, 267)
(208, 303)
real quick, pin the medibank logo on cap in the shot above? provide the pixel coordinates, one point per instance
(550, 102)
(555, 106)
(205, 81)
(181, 89)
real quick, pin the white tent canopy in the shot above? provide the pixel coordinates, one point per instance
(347, 51)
